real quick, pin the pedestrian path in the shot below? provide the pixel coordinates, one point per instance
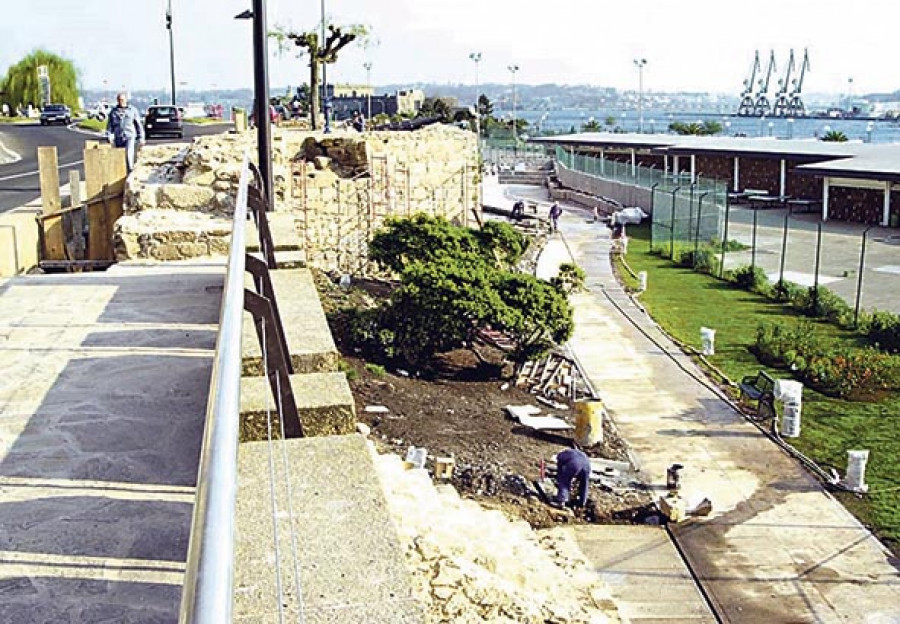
(103, 385)
(777, 547)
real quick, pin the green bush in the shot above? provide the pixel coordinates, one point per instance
(883, 331)
(824, 365)
(787, 292)
(702, 260)
(751, 278)
(376, 369)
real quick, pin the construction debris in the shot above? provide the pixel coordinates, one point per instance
(527, 415)
(556, 377)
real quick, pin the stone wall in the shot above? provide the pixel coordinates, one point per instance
(339, 187)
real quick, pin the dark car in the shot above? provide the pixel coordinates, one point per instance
(163, 120)
(56, 113)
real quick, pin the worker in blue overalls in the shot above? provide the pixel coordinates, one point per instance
(572, 464)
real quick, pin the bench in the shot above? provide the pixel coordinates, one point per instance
(760, 388)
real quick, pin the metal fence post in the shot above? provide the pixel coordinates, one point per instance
(652, 214)
(753, 243)
(724, 239)
(784, 237)
(859, 280)
(818, 257)
(672, 230)
(699, 216)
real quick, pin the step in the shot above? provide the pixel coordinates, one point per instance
(350, 560)
(324, 403)
(306, 329)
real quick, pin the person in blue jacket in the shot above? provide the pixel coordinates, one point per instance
(125, 129)
(572, 464)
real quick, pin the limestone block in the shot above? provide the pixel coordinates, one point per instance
(201, 176)
(186, 197)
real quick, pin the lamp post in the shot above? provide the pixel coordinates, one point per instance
(368, 66)
(476, 56)
(326, 101)
(261, 95)
(790, 123)
(771, 125)
(869, 128)
(639, 63)
(171, 47)
(513, 69)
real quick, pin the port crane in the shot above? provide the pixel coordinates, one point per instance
(762, 106)
(782, 102)
(795, 107)
(746, 107)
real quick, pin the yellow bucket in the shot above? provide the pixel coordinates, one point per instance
(589, 422)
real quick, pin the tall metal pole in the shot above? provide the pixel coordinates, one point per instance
(859, 279)
(368, 66)
(640, 65)
(261, 88)
(513, 69)
(326, 103)
(171, 47)
(476, 56)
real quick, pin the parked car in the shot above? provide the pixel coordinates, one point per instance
(56, 113)
(163, 120)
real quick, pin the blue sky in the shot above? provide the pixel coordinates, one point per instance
(691, 45)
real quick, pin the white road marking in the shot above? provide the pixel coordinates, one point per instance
(35, 172)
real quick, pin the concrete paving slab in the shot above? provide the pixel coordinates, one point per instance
(103, 385)
(306, 329)
(769, 515)
(349, 566)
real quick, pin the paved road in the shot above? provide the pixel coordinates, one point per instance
(19, 180)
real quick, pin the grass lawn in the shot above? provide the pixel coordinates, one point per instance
(93, 124)
(682, 301)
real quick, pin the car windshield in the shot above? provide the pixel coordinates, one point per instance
(55, 107)
(164, 111)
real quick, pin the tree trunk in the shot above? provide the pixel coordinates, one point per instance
(313, 91)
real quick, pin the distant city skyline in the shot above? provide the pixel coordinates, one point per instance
(693, 46)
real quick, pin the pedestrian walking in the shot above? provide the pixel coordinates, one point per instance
(555, 212)
(124, 128)
(518, 209)
(572, 464)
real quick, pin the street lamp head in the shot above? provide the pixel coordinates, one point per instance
(513, 68)
(475, 56)
(248, 14)
(640, 62)
(367, 65)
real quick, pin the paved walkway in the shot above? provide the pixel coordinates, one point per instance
(777, 548)
(103, 385)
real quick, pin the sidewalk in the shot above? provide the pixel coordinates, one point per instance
(777, 547)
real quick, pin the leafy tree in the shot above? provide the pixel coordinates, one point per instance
(592, 125)
(535, 314)
(485, 107)
(695, 128)
(610, 121)
(423, 238)
(570, 278)
(437, 107)
(453, 282)
(21, 85)
(835, 136)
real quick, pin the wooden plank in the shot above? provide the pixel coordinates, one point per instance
(77, 242)
(95, 186)
(54, 237)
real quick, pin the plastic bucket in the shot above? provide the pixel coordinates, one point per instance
(856, 470)
(589, 422)
(790, 420)
(708, 341)
(642, 280)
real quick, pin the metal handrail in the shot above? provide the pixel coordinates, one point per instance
(209, 575)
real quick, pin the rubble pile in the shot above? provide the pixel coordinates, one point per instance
(476, 565)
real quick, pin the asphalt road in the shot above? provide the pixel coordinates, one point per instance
(19, 180)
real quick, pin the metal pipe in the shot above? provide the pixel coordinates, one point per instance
(209, 574)
(672, 229)
(753, 242)
(724, 240)
(652, 202)
(818, 257)
(699, 215)
(784, 237)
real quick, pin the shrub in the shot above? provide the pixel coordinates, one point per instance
(376, 369)
(751, 278)
(570, 278)
(731, 245)
(787, 292)
(883, 331)
(703, 260)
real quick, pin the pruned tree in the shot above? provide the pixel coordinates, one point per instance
(21, 84)
(437, 107)
(320, 52)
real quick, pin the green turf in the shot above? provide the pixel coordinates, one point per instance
(93, 124)
(682, 301)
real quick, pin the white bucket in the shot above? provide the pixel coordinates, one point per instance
(788, 391)
(856, 470)
(642, 280)
(708, 341)
(416, 456)
(790, 420)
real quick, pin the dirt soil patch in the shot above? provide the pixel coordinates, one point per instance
(461, 413)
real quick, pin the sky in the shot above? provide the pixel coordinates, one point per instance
(690, 45)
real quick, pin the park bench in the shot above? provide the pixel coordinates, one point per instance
(760, 388)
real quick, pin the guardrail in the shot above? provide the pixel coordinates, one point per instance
(209, 576)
